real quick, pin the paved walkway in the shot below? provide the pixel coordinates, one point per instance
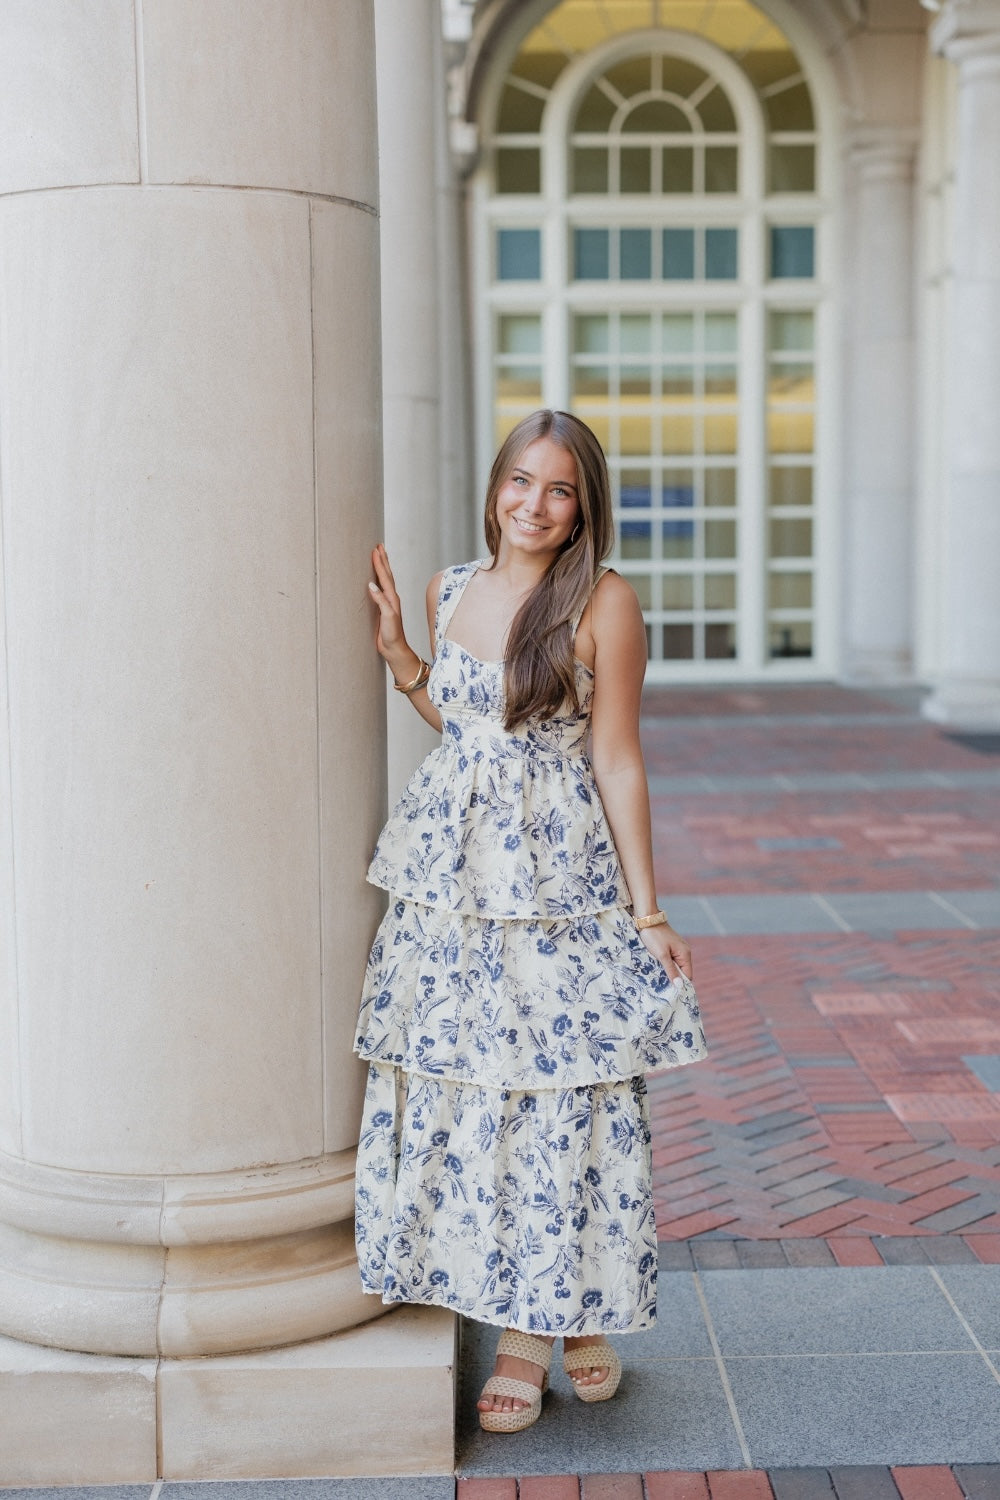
(828, 1183)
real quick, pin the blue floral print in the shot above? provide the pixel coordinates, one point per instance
(508, 1013)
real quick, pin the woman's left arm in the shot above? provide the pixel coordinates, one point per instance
(616, 624)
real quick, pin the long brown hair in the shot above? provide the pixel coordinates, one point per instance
(540, 670)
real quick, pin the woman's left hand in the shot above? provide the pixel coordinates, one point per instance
(670, 948)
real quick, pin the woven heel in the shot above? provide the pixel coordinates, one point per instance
(599, 1356)
(521, 1346)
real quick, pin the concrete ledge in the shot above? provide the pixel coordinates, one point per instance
(377, 1400)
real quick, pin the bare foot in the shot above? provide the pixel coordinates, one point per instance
(592, 1376)
(514, 1369)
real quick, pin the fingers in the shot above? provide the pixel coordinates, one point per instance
(382, 570)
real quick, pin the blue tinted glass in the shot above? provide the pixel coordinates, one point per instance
(590, 254)
(519, 254)
(721, 255)
(635, 495)
(636, 251)
(678, 495)
(678, 254)
(793, 251)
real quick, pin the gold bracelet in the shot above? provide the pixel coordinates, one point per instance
(655, 919)
(423, 672)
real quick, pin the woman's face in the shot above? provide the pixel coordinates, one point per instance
(537, 504)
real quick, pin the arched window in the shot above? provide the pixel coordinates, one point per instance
(649, 252)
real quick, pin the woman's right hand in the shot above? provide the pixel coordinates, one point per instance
(390, 639)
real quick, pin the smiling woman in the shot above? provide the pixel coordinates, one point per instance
(523, 980)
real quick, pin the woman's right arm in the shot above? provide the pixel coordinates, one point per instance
(390, 639)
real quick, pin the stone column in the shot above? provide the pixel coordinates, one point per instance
(881, 387)
(407, 43)
(967, 689)
(189, 484)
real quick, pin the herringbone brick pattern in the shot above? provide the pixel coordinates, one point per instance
(836, 1100)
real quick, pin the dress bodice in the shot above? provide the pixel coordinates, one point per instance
(496, 822)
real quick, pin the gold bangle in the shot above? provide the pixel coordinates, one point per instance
(655, 919)
(423, 672)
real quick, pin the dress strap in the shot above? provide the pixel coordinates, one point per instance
(453, 585)
(602, 569)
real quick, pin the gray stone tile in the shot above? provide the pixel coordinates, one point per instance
(880, 1409)
(801, 1484)
(907, 1250)
(981, 907)
(865, 1310)
(436, 1488)
(674, 1255)
(668, 1414)
(72, 1492)
(986, 1069)
(979, 1481)
(786, 913)
(976, 1290)
(688, 915)
(892, 911)
(864, 1482)
(715, 1255)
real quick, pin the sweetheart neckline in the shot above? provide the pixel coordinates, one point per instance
(484, 662)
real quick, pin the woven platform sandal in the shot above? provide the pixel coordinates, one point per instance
(522, 1346)
(599, 1356)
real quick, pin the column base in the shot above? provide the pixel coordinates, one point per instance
(373, 1401)
(965, 703)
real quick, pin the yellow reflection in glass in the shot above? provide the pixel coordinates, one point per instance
(721, 432)
(635, 434)
(790, 431)
(678, 591)
(791, 536)
(524, 381)
(590, 380)
(720, 487)
(790, 486)
(720, 538)
(792, 382)
(643, 585)
(678, 432)
(635, 380)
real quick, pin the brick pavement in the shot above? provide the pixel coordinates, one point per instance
(852, 1096)
(960, 1482)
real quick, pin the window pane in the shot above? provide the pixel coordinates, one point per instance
(720, 538)
(520, 113)
(642, 583)
(792, 251)
(678, 254)
(678, 169)
(636, 252)
(789, 591)
(794, 639)
(519, 254)
(635, 380)
(634, 487)
(791, 169)
(720, 590)
(590, 380)
(656, 116)
(519, 169)
(792, 486)
(720, 486)
(678, 380)
(791, 537)
(523, 381)
(716, 111)
(636, 169)
(635, 435)
(721, 169)
(520, 335)
(790, 109)
(682, 77)
(720, 333)
(720, 641)
(678, 433)
(590, 169)
(595, 112)
(636, 542)
(678, 642)
(592, 335)
(791, 331)
(721, 254)
(591, 256)
(678, 328)
(636, 333)
(790, 431)
(721, 431)
(678, 591)
(720, 380)
(791, 381)
(633, 76)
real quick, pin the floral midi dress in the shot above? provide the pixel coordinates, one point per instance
(509, 1012)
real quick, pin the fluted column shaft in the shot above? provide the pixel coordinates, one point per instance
(189, 483)
(967, 689)
(881, 392)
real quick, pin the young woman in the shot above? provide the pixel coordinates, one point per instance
(523, 979)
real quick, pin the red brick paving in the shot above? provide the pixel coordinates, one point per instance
(835, 1103)
(926, 1484)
